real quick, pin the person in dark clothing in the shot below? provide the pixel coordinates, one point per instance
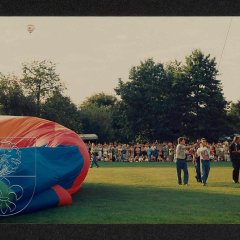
(198, 169)
(94, 160)
(197, 164)
(234, 150)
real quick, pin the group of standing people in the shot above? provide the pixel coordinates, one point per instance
(202, 160)
(150, 152)
(201, 152)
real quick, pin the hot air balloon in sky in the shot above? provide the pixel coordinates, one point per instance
(30, 28)
(42, 163)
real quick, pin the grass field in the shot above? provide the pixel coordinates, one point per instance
(146, 193)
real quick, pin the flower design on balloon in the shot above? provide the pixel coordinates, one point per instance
(9, 159)
(9, 162)
(8, 195)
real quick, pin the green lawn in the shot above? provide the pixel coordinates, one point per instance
(146, 193)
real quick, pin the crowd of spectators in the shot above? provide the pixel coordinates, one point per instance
(151, 152)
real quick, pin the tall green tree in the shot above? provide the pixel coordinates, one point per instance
(96, 116)
(12, 99)
(145, 98)
(122, 130)
(101, 100)
(61, 109)
(234, 117)
(207, 108)
(97, 120)
(179, 100)
(40, 81)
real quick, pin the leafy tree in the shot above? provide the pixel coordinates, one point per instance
(100, 100)
(207, 108)
(234, 117)
(122, 131)
(179, 100)
(145, 99)
(97, 120)
(60, 109)
(12, 99)
(40, 81)
(96, 116)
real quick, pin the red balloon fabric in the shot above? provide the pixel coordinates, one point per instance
(33, 131)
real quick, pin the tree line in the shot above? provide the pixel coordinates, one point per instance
(158, 101)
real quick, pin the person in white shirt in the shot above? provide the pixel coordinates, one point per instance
(204, 153)
(181, 163)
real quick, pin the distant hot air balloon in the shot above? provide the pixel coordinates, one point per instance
(30, 28)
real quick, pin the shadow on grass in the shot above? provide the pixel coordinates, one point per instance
(106, 203)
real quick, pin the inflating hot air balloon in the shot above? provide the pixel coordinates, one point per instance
(42, 164)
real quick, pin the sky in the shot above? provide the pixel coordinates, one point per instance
(91, 53)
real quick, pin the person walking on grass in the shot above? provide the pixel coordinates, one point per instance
(94, 155)
(181, 163)
(234, 150)
(204, 153)
(94, 160)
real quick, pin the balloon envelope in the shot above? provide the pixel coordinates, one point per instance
(42, 167)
